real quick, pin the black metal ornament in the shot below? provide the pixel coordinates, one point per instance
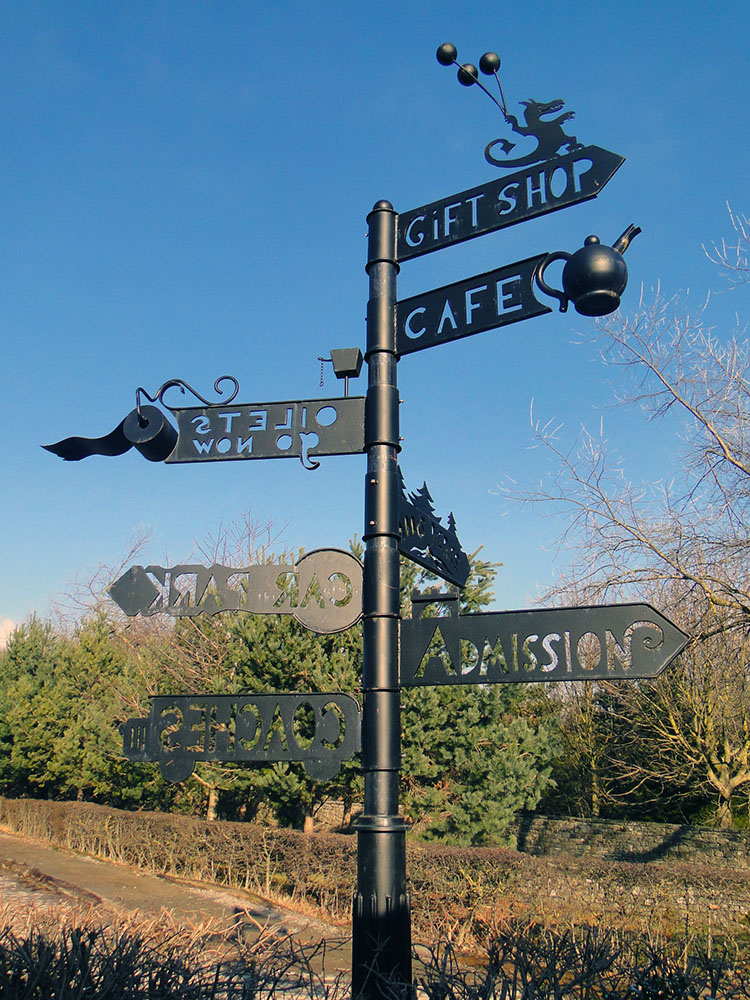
(548, 133)
(426, 540)
(150, 432)
(145, 428)
(73, 449)
(593, 278)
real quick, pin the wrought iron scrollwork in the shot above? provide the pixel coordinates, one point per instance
(183, 386)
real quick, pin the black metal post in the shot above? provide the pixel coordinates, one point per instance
(381, 947)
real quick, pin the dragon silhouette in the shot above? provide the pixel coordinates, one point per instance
(548, 132)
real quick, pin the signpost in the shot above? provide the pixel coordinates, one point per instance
(323, 590)
(610, 642)
(495, 298)
(328, 590)
(181, 730)
(381, 944)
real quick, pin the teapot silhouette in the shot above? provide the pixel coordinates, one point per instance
(594, 277)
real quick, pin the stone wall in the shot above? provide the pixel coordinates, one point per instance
(615, 840)
(619, 840)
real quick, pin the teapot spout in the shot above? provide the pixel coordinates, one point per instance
(624, 241)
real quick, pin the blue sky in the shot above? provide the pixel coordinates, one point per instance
(185, 193)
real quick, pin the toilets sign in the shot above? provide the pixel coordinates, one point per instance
(302, 429)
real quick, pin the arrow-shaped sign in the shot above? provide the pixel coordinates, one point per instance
(495, 298)
(323, 590)
(613, 642)
(535, 190)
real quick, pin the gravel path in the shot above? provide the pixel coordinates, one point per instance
(37, 873)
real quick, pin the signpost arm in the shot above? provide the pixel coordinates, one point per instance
(381, 944)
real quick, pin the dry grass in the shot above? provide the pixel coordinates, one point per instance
(63, 949)
(475, 945)
(50, 950)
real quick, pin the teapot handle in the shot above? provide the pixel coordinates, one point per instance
(539, 276)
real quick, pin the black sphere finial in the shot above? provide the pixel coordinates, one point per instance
(468, 74)
(489, 63)
(446, 54)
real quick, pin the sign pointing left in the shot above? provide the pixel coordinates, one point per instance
(323, 590)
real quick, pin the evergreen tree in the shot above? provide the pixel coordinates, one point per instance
(61, 702)
(95, 682)
(29, 717)
(471, 759)
(471, 756)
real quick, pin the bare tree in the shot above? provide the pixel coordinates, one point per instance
(731, 255)
(85, 594)
(691, 727)
(686, 542)
(695, 530)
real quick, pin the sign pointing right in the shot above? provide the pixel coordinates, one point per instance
(537, 189)
(612, 642)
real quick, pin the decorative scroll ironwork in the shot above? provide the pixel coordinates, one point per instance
(304, 429)
(495, 298)
(182, 385)
(322, 591)
(622, 641)
(428, 542)
(321, 730)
